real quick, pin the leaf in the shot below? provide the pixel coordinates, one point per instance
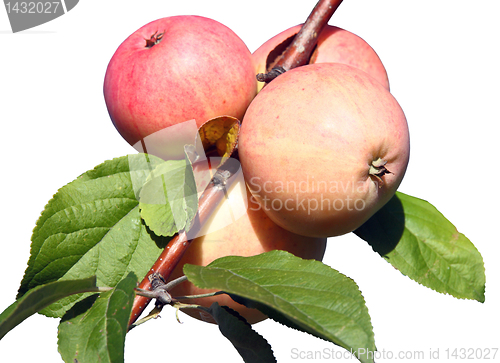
(303, 294)
(41, 297)
(252, 347)
(98, 334)
(169, 199)
(419, 241)
(92, 226)
(220, 133)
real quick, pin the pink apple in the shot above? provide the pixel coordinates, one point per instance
(323, 147)
(177, 69)
(335, 45)
(250, 233)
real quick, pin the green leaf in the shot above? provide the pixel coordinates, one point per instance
(98, 334)
(303, 294)
(169, 200)
(41, 297)
(252, 347)
(420, 242)
(92, 226)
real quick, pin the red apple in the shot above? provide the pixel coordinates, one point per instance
(335, 45)
(323, 147)
(177, 69)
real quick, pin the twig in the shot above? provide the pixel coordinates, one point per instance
(299, 51)
(176, 248)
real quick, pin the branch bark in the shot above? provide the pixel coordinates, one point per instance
(299, 51)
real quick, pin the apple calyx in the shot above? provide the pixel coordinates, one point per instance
(155, 39)
(378, 169)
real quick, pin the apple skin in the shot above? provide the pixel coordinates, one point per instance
(250, 234)
(200, 69)
(335, 45)
(308, 141)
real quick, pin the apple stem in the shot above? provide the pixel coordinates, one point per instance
(178, 245)
(209, 294)
(299, 51)
(155, 313)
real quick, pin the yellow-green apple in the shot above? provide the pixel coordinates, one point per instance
(174, 70)
(249, 233)
(323, 147)
(335, 45)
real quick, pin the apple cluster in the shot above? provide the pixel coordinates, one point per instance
(322, 147)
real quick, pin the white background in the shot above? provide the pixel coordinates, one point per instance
(443, 64)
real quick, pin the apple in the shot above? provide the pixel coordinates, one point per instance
(323, 147)
(174, 70)
(250, 233)
(335, 45)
